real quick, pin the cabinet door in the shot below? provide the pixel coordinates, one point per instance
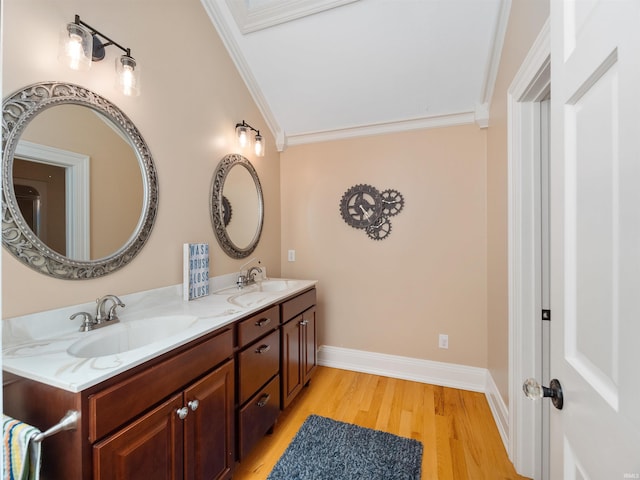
(310, 347)
(291, 371)
(209, 426)
(150, 447)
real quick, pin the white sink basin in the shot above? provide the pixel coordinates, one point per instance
(126, 336)
(260, 293)
(276, 285)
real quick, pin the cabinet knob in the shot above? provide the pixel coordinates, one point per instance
(182, 413)
(304, 323)
(263, 348)
(193, 405)
(263, 400)
(262, 322)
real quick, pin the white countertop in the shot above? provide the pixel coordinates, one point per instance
(35, 346)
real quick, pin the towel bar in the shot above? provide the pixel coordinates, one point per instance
(68, 422)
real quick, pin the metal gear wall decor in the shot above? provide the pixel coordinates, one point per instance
(364, 207)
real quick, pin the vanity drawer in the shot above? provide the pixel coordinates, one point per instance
(258, 416)
(298, 304)
(112, 407)
(257, 364)
(256, 326)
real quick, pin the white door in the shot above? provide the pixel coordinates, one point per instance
(595, 238)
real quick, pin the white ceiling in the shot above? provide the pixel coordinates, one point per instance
(327, 69)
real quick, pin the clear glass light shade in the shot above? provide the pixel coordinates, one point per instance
(242, 133)
(127, 76)
(258, 146)
(76, 47)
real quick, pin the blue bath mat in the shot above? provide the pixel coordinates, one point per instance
(327, 449)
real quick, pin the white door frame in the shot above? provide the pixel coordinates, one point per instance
(77, 194)
(528, 88)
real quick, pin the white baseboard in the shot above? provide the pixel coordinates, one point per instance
(498, 409)
(425, 371)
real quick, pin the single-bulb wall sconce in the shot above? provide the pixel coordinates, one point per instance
(81, 44)
(242, 133)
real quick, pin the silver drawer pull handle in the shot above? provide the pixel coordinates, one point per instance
(193, 405)
(262, 322)
(263, 400)
(182, 412)
(304, 322)
(263, 348)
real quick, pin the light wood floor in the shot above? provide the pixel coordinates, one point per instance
(456, 428)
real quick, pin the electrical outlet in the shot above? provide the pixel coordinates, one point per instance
(291, 256)
(443, 341)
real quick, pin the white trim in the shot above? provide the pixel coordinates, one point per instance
(443, 374)
(425, 371)
(251, 19)
(498, 408)
(464, 118)
(525, 343)
(77, 193)
(493, 62)
(217, 16)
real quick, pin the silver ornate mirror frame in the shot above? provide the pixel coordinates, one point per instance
(216, 207)
(17, 110)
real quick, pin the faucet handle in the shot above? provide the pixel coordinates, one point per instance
(87, 321)
(112, 315)
(101, 315)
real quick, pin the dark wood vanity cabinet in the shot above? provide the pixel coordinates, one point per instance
(229, 385)
(299, 345)
(188, 436)
(258, 385)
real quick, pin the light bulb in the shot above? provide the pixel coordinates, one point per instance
(74, 51)
(76, 43)
(259, 146)
(243, 138)
(128, 80)
(127, 76)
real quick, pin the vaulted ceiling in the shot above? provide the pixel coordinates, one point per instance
(328, 69)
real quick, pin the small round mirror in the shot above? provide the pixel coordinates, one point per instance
(237, 206)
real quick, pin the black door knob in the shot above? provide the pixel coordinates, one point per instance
(533, 390)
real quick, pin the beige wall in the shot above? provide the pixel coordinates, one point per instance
(192, 96)
(428, 277)
(525, 22)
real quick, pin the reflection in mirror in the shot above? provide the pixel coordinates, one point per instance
(79, 185)
(236, 207)
(97, 224)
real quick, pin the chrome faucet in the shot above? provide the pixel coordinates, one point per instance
(103, 317)
(111, 316)
(248, 278)
(251, 274)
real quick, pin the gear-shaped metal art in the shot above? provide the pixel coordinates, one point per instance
(361, 206)
(364, 207)
(380, 229)
(392, 202)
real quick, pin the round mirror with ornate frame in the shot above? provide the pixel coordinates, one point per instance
(236, 206)
(134, 185)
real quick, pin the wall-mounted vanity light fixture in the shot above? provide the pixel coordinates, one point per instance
(80, 44)
(242, 132)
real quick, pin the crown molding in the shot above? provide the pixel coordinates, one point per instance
(216, 14)
(251, 19)
(493, 62)
(463, 118)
